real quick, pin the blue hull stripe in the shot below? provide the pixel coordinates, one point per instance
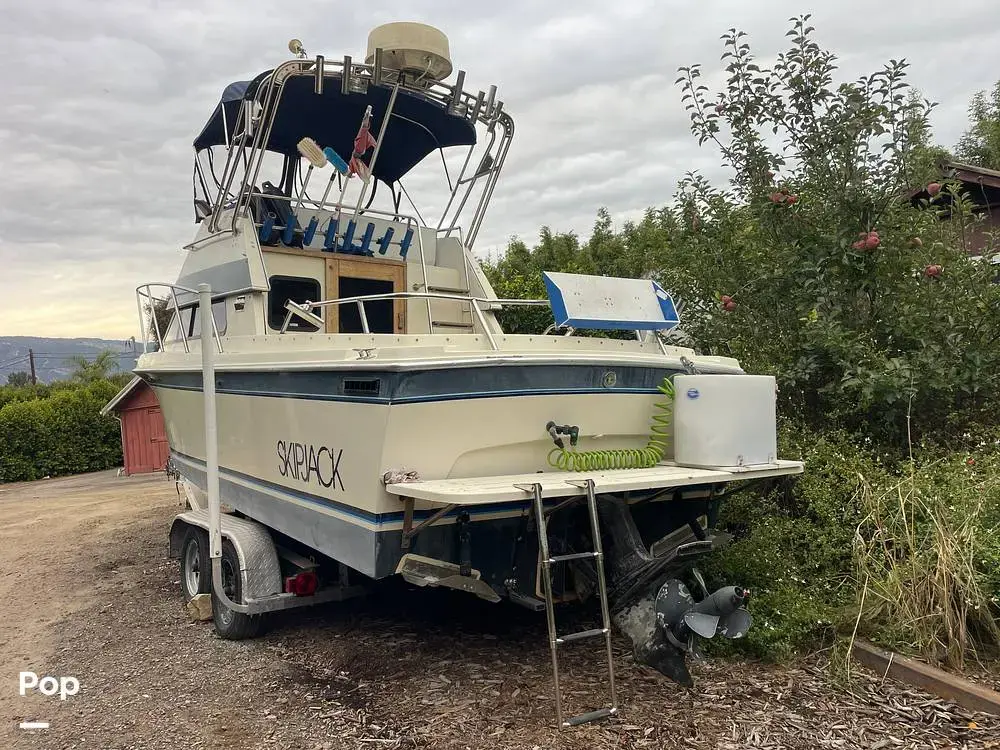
(377, 519)
(422, 386)
(412, 399)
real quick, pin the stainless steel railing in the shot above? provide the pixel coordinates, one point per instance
(256, 118)
(304, 310)
(339, 208)
(144, 291)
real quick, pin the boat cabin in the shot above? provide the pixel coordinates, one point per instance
(300, 197)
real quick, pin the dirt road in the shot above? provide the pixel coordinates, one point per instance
(87, 591)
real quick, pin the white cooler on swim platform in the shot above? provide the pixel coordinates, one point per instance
(725, 421)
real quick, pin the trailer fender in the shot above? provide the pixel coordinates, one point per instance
(260, 569)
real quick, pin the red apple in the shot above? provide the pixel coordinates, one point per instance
(933, 189)
(791, 199)
(933, 271)
(728, 303)
(776, 197)
(872, 241)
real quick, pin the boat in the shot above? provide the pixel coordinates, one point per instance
(371, 418)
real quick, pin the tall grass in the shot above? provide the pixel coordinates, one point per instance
(928, 552)
(906, 553)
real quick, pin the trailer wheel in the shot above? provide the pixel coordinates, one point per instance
(196, 573)
(233, 626)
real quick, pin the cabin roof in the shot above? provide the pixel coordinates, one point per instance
(419, 124)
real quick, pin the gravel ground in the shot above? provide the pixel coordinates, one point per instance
(399, 669)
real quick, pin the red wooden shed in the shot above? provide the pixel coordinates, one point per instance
(144, 436)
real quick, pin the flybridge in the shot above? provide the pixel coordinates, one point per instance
(413, 113)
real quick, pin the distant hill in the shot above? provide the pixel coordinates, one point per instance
(52, 356)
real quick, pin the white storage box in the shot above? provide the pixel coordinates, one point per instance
(725, 420)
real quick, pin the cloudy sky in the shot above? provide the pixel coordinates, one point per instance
(103, 98)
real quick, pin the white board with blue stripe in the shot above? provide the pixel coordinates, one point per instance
(607, 302)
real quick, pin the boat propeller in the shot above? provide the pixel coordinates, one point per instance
(680, 620)
(720, 613)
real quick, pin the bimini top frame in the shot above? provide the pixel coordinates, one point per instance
(326, 101)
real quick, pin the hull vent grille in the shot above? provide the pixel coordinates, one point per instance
(362, 387)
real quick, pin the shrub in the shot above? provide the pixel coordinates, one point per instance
(51, 431)
(814, 240)
(87, 441)
(792, 544)
(917, 544)
(26, 440)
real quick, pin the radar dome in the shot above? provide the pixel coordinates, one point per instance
(417, 50)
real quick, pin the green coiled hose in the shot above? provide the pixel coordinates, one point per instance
(660, 438)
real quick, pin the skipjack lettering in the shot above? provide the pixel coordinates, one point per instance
(307, 463)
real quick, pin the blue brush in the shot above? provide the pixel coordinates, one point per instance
(334, 158)
(339, 168)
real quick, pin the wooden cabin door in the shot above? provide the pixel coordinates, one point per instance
(355, 277)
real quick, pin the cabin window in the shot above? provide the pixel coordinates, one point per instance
(296, 288)
(218, 312)
(191, 324)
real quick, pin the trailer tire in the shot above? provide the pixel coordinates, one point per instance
(230, 625)
(196, 571)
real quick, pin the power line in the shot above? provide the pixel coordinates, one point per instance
(88, 356)
(62, 355)
(59, 355)
(14, 362)
(11, 364)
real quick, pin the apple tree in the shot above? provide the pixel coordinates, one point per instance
(813, 263)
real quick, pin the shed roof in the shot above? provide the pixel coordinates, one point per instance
(122, 395)
(981, 184)
(972, 173)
